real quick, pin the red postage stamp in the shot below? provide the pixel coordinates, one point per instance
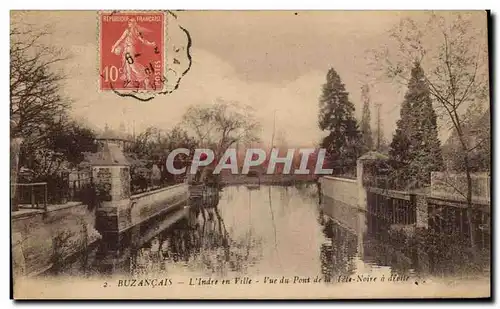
(132, 51)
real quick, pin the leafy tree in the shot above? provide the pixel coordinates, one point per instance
(151, 148)
(72, 139)
(366, 131)
(427, 147)
(336, 117)
(175, 138)
(142, 145)
(63, 148)
(416, 149)
(452, 47)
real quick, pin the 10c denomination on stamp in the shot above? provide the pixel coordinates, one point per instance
(132, 53)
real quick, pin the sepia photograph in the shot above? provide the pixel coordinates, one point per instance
(183, 154)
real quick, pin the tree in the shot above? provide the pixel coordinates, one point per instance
(452, 47)
(336, 116)
(427, 147)
(399, 151)
(477, 129)
(151, 148)
(378, 134)
(35, 90)
(72, 139)
(63, 148)
(175, 138)
(145, 143)
(221, 125)
(366, 131)
(416, 146)
(36, 104)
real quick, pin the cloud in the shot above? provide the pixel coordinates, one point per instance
(267, 60)
(218, 74)
(210, 78)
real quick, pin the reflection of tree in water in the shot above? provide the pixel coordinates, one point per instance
(306, 191)
(285, 197)
(229, 195)
(206, 246)
(338, 252)
(408, 251)
(220, 253)
(390, 250)
(424, 252)
(147, 259)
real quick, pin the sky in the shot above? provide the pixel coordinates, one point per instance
(274, 60)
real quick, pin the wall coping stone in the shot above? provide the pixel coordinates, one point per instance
(143, 194)
(341, 179)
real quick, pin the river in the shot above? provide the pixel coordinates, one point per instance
(273, 231)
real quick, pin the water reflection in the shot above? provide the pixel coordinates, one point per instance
(280, 231)
(204, 244)
(363, 243)
(252, 230)
(337, 252)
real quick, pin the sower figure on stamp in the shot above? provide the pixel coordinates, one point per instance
(134, 73)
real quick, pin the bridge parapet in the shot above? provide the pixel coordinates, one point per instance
(150, 204)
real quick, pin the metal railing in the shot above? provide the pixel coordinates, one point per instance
(79, 190)
(446, 217)
(38, 195)
(30, 196)
(452, 219)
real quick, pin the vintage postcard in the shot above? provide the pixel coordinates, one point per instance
(163, 154)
